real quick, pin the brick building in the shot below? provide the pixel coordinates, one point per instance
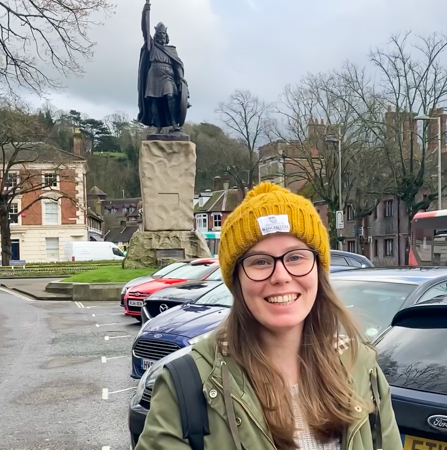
(59, 216)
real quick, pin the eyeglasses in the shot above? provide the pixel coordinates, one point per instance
(260, 267)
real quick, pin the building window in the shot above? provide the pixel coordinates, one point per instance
(389, 247)
(50, 180)
(217, 220)
(12, 180)
(14, 213)
(51, 213)
(351, 213)
(202, 222)
(351, 246)
(388, 210)
(52, 248)
(375, 213)
(125, 210)
(376, 248)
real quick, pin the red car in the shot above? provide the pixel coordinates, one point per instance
(199, 269)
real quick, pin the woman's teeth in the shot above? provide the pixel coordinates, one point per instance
(283, 299)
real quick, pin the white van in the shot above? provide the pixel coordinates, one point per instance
(92, 251)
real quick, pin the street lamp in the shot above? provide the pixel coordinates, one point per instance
(426, 118)
(338, 139)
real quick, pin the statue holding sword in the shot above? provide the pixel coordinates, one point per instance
(162, 90)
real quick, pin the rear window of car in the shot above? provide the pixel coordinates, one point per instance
(373, 303)
(192, 272)
(414, 358)
(215, 276)
(338, 261)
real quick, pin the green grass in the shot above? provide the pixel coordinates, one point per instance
(109, 275)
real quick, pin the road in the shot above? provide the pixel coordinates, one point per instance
(64, 374)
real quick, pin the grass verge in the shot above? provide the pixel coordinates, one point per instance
(109, 275)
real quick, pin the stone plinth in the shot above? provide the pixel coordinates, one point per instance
(167, 176)
(152, 248)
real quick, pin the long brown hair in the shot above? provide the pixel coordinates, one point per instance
(324, 388)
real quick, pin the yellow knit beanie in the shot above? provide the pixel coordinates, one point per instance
(274, 209)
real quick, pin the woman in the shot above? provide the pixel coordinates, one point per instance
(277, 374)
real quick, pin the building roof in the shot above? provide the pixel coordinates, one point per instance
(121, 203)
(220, 201)
(91, 213)
(96, 191)
(35, 152)
(121, 234)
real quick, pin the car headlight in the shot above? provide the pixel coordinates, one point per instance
(199, 338)
(124, 290)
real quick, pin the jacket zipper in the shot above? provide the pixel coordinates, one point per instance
(354, 431)
(247, 411)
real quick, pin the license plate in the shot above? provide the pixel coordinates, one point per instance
(147, 363)
(135, 303)
(418, 443)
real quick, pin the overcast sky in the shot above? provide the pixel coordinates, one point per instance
(260, 45)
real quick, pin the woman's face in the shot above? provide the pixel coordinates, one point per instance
(283, 301)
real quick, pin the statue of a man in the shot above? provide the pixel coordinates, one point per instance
(163, 91)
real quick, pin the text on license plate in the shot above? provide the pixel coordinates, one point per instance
(418, 443)
(135, 303)
(148, 363)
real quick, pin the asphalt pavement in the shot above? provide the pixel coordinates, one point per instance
(64, 374)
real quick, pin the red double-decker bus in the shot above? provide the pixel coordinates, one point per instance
(429, 239)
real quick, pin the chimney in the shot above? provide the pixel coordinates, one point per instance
(78, 147)
(217, 183)
(98, 207)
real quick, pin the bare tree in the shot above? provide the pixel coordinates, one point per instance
(313, 120)
(246, 118)
(38, 33)
(409, 79)
(22, 147)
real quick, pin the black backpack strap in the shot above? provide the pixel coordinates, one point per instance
(191, 401)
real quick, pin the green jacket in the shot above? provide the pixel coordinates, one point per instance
(163, 428)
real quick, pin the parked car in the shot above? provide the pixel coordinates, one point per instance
(375, 295)
(199, 269)
(178, 327)
(164, 271)
(341, 258)
(178, 294)
(92, 251)
(413, 357)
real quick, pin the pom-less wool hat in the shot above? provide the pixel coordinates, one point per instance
(267, 209)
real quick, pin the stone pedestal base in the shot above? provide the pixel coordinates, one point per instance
(155, 248)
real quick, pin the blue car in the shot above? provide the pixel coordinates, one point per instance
(179, 327)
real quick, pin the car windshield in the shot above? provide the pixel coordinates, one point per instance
(215, 276)
(220, 296)
(192, 272)
(374, 303)
(167, 269)
(415, 358)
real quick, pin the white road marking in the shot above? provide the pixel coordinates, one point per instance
(106, 324)
(122, 390)
(106, 338)
(104, 359)
(105, 394)
(108, 314)
(105, 448)
(93, 315)
(16, 294)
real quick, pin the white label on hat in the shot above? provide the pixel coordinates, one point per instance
(274, 224)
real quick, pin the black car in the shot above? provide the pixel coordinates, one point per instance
(341, 258)
(413, 357)
(177, 294)
(375, 295)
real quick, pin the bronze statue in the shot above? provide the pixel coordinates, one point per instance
(162, 90)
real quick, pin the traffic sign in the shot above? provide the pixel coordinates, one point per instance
(340, 221)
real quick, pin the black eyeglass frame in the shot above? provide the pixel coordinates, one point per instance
(240, 262)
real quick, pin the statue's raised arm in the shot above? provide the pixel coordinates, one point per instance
(146, 24)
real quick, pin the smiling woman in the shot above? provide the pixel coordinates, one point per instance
(276, 371)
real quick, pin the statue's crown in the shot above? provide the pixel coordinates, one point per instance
(161, 27)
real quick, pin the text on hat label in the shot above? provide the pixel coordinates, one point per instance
(274, 224)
